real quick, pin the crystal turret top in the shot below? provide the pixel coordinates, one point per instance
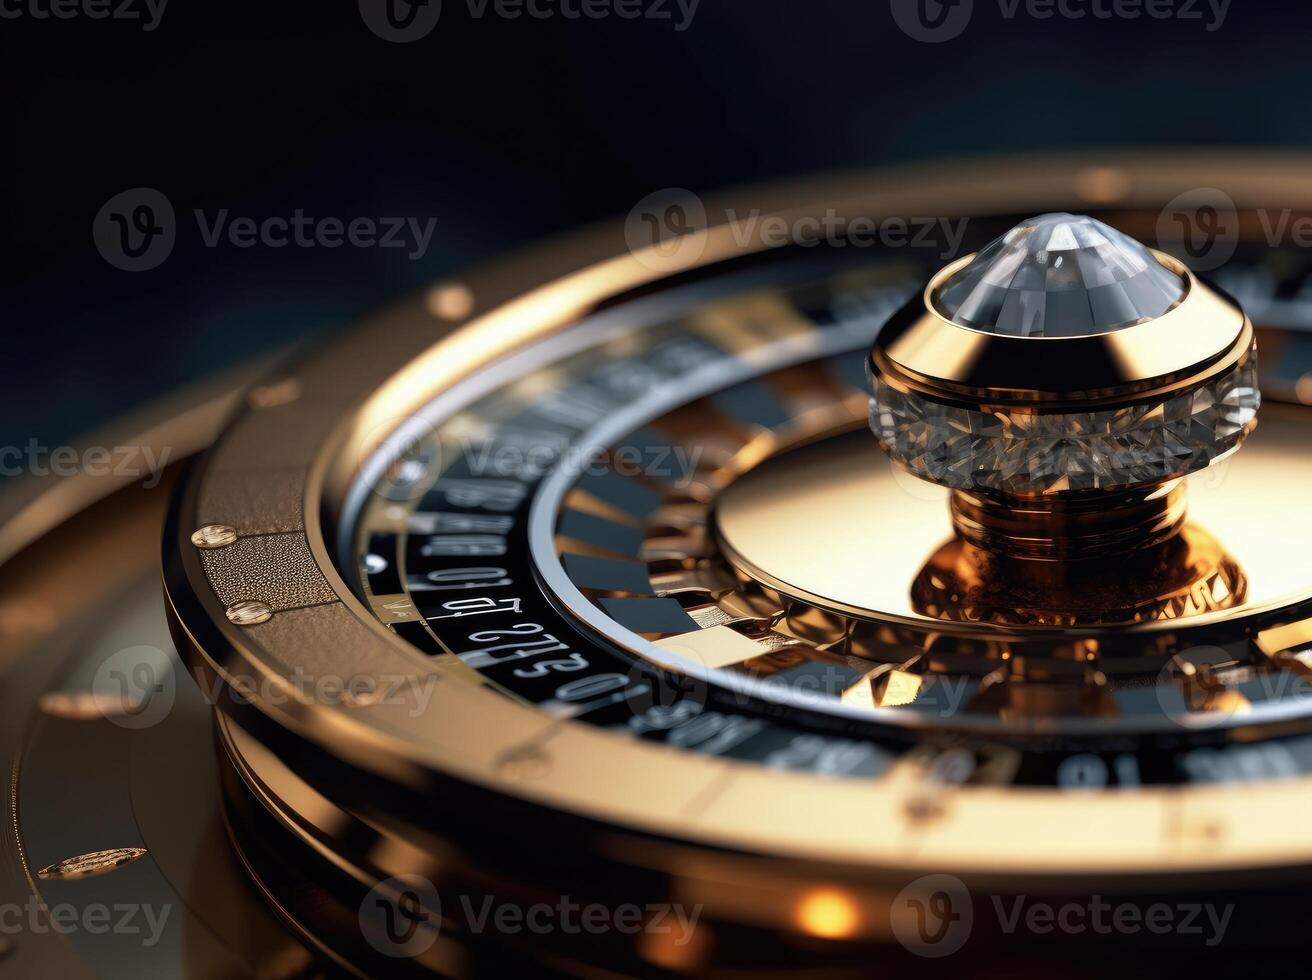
(1060, 275)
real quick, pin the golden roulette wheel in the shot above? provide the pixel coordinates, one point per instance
(896, 594)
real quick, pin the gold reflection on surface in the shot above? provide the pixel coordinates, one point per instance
(1184, 576)
(832, 523)
(828, 913)
(923, 350)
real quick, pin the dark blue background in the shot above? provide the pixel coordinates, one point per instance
(505, 132)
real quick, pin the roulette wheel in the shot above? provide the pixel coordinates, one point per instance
(832, 591)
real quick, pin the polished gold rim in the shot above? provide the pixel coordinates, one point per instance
(924, 351)
(472, 732)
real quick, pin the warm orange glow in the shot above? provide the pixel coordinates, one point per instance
(828, 913)
(1303, 389)
(1102, 185)
(675, 950)
(450, 302)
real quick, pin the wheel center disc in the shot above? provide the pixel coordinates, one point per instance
(834, 524)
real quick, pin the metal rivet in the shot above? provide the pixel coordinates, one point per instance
(213, 536)
(249, 613)
(94, 863)
(452, 301)
(275, 393)
(364, 699)
(82, 705)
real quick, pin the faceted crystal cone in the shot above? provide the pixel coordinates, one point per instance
(1060, 275)
(1050, 279)
(1024, 452)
